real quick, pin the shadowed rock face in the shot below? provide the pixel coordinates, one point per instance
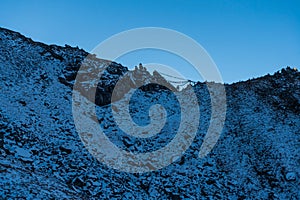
(42, 156)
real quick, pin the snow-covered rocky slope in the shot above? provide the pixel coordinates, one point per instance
(43, 157)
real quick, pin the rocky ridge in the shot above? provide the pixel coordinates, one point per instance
(42, 156)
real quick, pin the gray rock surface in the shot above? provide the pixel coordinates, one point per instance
(42, 156)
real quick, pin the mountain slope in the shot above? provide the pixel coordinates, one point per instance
(42, 156)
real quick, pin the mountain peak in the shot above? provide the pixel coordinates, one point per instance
(43, 155)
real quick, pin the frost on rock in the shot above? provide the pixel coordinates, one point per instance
(43, 157)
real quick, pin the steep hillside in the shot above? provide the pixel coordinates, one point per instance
(42, 155)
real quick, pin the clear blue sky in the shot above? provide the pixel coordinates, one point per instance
(245, 38)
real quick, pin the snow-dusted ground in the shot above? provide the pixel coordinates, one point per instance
(42, 156)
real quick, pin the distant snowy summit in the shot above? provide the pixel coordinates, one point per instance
(42, 155)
